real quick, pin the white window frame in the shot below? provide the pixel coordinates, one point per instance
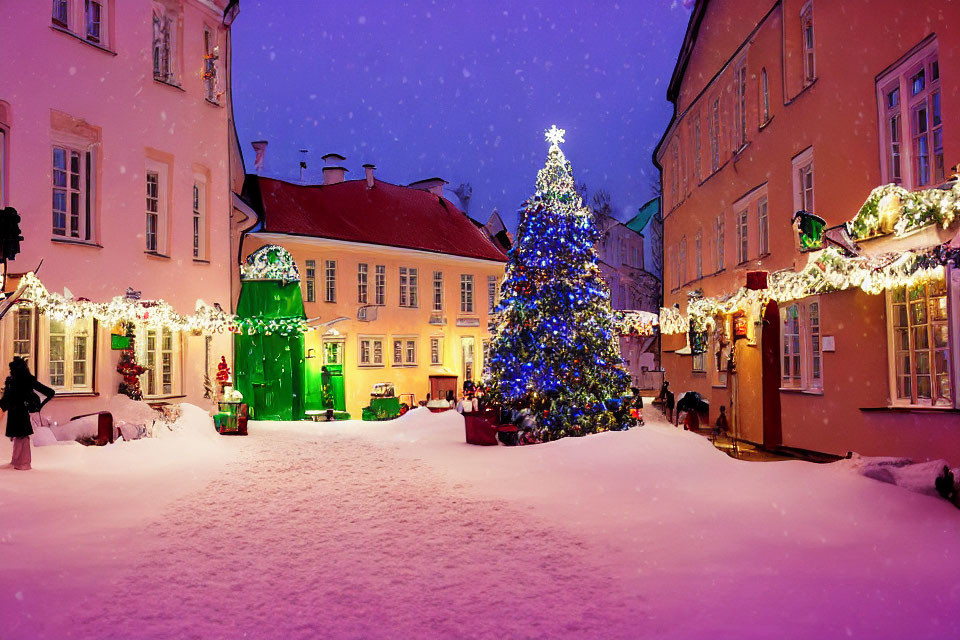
(804, 184)
(85, 190)
(763, 225)
(808, 44)
(721, 240)
(165, 24)
(100, 38)
(23, 339)
(310, 280)
(329, 280)
(409, 286)
(380, 285)
(894, 350)
(161, 170)
(163, 377)
(370, 351)
(436, 351)
(801, 359)
(743, 235)
(492, 291)
(466, 293)
(199, 228)
(70, 335)
(404, 351)
(438, 291)
(363, 270)
(211, 70)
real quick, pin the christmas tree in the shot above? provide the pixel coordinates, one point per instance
(554, 351)
(129, 370)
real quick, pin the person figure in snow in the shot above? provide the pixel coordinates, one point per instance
(19, 400)
(721, 425)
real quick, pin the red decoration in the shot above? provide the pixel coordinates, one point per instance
(223, 371)
(756, 280)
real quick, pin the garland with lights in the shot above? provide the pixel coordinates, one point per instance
(641, 323)
(554, 351)
(893, 209)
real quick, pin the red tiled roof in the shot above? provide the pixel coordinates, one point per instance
(386, 215)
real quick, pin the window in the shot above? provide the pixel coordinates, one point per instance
(675, 172)
(210, 57)
(806, 28)
(153, 210)
(310, 282)
(157, 207)
(720, 241)
(380, 284)
(698, 255)
(93, 12)
(909, 100)
(715, 135)
(199, 219)
(675, 266)
(158, 350)
(740, 113)
(491, 294)
(763, 226)
(682, 258)
(764, 97)
(696, 146)
(801, 348)
(164, 28)
(330, 281)
(438, 291)
(404, 352)
(742, 237)
(73, 193)
(70, 355)
(362, 283)
(436, 350)
(23, 324)
(61, 13)
(466, 293)
(920, 345)
(803, 196)
(371, 351)
(700, 362)
(408, 287)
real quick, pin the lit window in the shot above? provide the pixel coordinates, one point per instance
(158, 350)
(73, 197)
(920, 345)
(310, 281)
(70, 355)
(23, 320)
(801, 346)
(362, 283)
(491, 294)
(380, 284)
(466, 293)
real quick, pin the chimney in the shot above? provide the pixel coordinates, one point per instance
(333, 169)
(368, 171)
(433, 185)
(260, 147)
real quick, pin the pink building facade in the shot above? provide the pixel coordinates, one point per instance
(115, 148)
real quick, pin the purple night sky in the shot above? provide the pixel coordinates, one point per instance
(459, 90)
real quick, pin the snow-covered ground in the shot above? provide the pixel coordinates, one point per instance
(400, 529)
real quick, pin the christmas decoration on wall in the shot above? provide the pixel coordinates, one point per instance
(129, 369)
(641, 323)
(554, 349)
(893, 209)
(810, 228)
(223, 372)
(270, 262)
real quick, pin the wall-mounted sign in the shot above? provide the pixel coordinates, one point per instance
(468, 322)
(119, 342)
(739, 326)
(829, 343)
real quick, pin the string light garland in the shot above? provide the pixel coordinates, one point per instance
(893, 209)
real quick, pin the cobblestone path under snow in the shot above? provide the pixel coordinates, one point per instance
(339, 537)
